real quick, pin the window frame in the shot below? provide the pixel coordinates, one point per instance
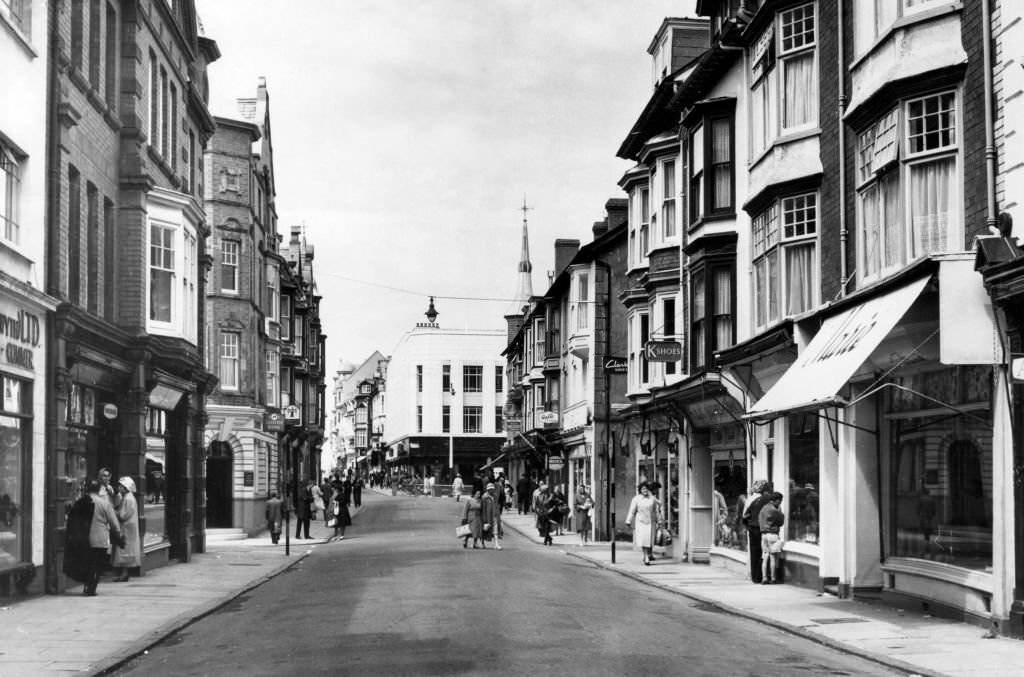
(770, 251)
(230, 256)
(668, 171)
(472, 381)
(884, 184)
(229, 365)
(703, 329)
(472, 417)
(769, 60)
(10, 194)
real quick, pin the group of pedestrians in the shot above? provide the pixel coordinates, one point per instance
(481, 512)
(329, 500)
(763, 519)
(103, 531)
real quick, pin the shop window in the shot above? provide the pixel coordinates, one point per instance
(419, 378)
(730, 486)
(15, 453)
(804, 479)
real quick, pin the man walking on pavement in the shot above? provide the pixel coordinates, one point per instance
(303, 509)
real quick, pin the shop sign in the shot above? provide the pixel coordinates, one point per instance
(292, 413)
(663, 351)
(248, 478)
(616, 365)
(549, 419)
(513, 425)
(23, 333)
(273, 422)
(109, 411)
(555, 462)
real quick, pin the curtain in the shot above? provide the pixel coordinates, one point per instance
(723, 308)
(931, 203)
(721, 156)
(799, 278)
(892, 220)
(799, 90)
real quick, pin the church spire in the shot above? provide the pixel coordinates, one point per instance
(524, 287)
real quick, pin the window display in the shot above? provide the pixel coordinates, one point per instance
(942, 469)
(730, 480)
(14, 435)
(804, 481)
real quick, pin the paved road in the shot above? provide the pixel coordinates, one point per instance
(400, 596)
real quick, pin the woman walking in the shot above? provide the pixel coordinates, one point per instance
(340, 514)
(584, 508)
(645, 513)
(128, 555)
(472, 515)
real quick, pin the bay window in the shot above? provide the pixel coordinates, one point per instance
(712, 327)
(908, 196)
(161, 273)
(783, 66)
(273, 378)
(645, 224)
(873, 18)
(710, 162)
(669, 227)
(785, 258)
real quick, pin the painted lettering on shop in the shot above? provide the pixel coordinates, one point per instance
(24, 328)
(846, 339)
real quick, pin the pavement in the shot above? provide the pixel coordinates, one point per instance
(50, 635)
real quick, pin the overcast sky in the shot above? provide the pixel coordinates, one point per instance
(407, 133)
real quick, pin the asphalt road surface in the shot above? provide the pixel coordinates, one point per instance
(400, 596)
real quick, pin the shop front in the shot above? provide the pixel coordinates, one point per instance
(23, 338)
(882, 436)
(133, 406)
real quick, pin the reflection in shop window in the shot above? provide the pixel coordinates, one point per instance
(156, 476)
(730, 499)
(13, 433)
(942, 501)
(803, 478)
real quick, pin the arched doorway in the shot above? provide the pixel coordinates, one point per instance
(219, 485)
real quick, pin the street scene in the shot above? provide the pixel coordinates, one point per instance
(676, 337)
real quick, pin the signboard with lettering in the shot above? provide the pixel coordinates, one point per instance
(549, 419)
(616, 365)
(20, 336)
(248, 479)
(273, 422)
(663, 351)
(555, 462)
(292, 414)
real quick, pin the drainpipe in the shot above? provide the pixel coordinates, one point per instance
(990, 144)
(841, 79)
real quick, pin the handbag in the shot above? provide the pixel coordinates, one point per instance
(462, 531)
(663, 537)
(332, 522)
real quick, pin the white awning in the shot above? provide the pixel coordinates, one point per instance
(835, 353)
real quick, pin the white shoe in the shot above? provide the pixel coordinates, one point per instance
(497, 547)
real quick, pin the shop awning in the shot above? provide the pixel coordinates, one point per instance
(492, 462)
(835, 353)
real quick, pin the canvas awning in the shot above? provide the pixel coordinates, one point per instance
(835, 354)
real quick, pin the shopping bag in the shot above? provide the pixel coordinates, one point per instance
(332, 522)
(462, 531)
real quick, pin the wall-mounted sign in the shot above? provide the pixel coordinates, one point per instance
(273, 422)
(248, 478)
(616, 365)
(549, 419)
(292, 413)
(23, 331)
(663, 351)
(555, 462)
(109, 411)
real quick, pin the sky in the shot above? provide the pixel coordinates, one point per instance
(407, 134)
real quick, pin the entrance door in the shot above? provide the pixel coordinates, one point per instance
(218, 486)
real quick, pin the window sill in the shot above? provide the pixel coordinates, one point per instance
(902, 23)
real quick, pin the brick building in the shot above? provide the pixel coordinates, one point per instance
(242, 310)
(127, 233)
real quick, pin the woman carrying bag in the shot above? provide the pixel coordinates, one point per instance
(644, 517)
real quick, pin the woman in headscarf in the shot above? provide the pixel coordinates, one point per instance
(472, 514)
(128, 555)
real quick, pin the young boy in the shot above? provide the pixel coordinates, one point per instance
(771, 520)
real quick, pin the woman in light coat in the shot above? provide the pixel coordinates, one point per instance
(128, 555)
(644, 517)
(102, 527)
(472, 515)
